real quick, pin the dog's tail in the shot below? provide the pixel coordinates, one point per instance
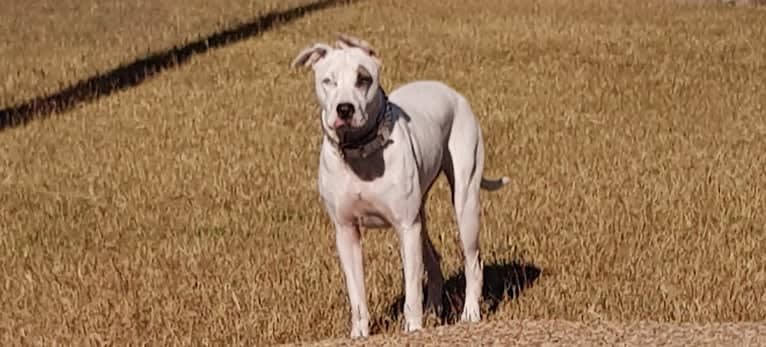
(488, 184)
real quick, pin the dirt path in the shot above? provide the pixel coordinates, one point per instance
(558, 332)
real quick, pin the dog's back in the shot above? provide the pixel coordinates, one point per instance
(433, 107)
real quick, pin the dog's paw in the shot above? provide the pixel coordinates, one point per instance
(412, 326)
(434, 300)
(471, 313)
(360, 329)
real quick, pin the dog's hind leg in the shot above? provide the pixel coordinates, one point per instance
(463, 166)
(432, 262)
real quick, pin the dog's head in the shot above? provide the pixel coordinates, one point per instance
(346, 83)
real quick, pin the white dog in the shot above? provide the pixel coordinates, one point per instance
(379, 157)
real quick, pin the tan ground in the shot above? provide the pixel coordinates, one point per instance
(184, 210)
(568, 333)
(54, 43)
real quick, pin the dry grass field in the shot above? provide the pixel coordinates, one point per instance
(181, 207)
(50, 44)
(569, 333)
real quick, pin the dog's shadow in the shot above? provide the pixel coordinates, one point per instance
(502, 280)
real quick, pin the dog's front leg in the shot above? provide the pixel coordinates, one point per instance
(348, 242)
(412, 260)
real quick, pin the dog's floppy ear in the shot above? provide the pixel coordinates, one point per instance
(311, 55)
(346, 41)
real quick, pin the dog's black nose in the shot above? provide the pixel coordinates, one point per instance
(345, 110)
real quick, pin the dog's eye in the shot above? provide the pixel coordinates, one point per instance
(328, 81)
(363, 81)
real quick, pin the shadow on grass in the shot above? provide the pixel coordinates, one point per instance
(135, 73)
(501, 280)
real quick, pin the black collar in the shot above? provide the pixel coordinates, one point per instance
(376, 139)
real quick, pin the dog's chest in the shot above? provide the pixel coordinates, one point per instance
(391, 197)
(363, 204)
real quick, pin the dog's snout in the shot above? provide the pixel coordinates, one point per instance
(345, 110)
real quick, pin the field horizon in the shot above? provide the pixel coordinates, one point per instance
(158, 171)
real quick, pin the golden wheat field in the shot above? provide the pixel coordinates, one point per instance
(158, 164)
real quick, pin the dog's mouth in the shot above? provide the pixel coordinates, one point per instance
(339, 123)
